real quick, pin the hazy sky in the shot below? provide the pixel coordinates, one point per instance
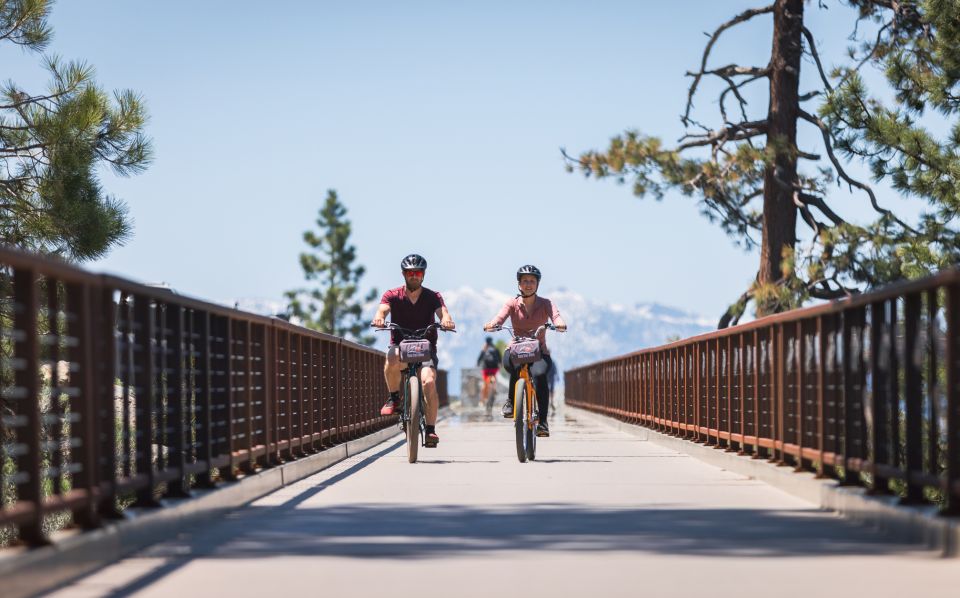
(439, 124)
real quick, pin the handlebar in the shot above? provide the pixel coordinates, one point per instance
(408, 333)
(546, 326)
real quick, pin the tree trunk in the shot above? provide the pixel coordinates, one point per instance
(779, 211)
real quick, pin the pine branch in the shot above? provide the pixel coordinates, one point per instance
(825, 132)
(735, 311)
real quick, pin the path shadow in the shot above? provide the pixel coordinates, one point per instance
(397, 531)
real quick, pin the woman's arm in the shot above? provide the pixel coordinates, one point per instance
(498, 319)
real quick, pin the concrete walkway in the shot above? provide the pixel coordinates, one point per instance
(600, 513)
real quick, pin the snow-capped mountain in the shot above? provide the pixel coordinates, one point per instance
(596, 330)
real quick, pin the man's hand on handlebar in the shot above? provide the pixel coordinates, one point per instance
(378, 323)
(447, 324)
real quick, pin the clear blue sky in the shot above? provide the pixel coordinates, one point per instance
(439, 123)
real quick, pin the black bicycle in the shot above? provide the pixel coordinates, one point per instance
(414, 349)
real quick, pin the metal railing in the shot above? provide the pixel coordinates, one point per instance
(115, 393)
(863, 390)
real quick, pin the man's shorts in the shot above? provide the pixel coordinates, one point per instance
(490, 372)
(394, 350)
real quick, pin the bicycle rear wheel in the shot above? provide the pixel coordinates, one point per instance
(413, 423)
(519, 406)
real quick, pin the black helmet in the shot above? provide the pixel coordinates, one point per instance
(413, 262)
(528, 269)
(489, 340)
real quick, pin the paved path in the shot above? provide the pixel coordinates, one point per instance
(599, 514)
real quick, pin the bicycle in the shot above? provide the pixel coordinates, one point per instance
(414, 349)
(525, 352)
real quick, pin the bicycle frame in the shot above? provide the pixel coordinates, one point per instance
(524, 374)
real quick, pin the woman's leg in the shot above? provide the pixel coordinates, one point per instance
(543, 392)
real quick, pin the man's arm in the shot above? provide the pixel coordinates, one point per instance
(446, 322)
(379, 320)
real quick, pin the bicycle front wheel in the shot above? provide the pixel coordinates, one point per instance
(530, 427)
(519, 423)
(413, 421)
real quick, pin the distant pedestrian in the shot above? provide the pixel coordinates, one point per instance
(489, 360)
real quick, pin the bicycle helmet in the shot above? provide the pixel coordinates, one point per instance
(528, 269)
(413, 262)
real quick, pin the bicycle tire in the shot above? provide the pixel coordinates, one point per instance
(530, 429)
(413, 422)
(520, 426)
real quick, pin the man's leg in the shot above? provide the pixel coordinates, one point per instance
(391, 369)
(428, 378)
(391, 373)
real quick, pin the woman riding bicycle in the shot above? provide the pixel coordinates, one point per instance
(527, 312)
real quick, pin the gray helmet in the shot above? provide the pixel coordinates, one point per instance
(528, 269)
(413, 262)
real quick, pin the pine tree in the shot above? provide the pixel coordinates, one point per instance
(330, 307)
(751, 177)
(51, 145)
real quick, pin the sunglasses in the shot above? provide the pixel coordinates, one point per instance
(414, 273)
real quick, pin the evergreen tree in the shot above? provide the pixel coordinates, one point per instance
(330, 307)
(51, 145)
(751, 177)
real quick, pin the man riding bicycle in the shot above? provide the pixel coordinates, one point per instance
(413, 306)
(527, 312)
(489, 360)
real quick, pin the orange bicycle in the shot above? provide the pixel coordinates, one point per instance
(525, 352)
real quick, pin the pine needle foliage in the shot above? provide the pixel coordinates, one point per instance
(330, 306)
(750, 177)
(52, 145)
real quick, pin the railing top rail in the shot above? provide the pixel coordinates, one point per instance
(71, 274)
(892, 291)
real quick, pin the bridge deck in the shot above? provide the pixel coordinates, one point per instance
(600, 511)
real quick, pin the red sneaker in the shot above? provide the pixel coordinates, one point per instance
(390, 407)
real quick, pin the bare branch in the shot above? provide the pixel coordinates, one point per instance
(733, 70)
(817, 201)
(735, 88)
(816, 58)
(742, 17)
(732, 132)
